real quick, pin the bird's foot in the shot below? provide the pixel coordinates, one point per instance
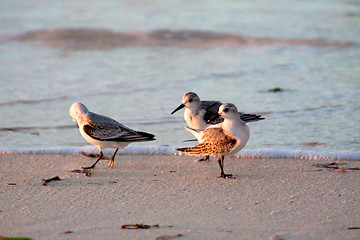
(111, 163)
(204, 159)
(223, 175)
(86, 172)
(87, 168)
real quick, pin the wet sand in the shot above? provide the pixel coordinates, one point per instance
(268, 199)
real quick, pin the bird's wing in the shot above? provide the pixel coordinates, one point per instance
(247, 117)
(214, 134)
(103, 128)
(215, 142)
(211, 111)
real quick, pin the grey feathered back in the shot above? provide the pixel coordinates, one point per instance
(213, 117)
(104, 128)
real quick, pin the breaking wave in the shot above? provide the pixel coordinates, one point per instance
(105, 39)
(171, 150)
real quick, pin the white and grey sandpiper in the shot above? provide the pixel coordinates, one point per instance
(202, 114)
(221, 139)
(104, 132)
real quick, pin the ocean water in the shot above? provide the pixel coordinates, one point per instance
(134, 61)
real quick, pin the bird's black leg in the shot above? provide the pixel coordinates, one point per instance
(206, 158)
(92, 166)
(221, 163)
(111, 163)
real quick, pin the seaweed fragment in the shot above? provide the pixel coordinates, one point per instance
(276, 90)
(334, 166)
(14, 238)
(139, 226)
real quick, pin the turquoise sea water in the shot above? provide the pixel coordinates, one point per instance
(56, 53)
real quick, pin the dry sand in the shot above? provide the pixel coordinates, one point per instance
(268, 199)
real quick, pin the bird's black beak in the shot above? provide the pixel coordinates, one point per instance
(178, 108)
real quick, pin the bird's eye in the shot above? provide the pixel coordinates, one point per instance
(190, 100)
(226, 110)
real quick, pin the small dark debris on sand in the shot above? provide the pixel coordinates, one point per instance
(45, 181)
(87, 172)
(66, 232)
(331, 166)
(139, 226)
(168, 237)
(354, 228)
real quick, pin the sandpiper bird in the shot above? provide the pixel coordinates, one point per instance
(222, 139)
(104, 132)
(202, 114)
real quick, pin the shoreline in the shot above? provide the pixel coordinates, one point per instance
(268, 199)
(269, 153)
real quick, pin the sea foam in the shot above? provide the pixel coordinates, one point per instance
(171, 150)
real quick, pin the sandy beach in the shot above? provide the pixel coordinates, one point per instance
(268, 199)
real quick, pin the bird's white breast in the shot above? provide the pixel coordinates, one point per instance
(195, 119)
(240, 131)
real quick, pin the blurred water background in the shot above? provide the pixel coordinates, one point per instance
(134, 61)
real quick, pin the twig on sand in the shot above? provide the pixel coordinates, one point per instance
(45, 181)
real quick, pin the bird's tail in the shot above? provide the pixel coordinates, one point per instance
(191, 150)
(201, 148)
(143, 136)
